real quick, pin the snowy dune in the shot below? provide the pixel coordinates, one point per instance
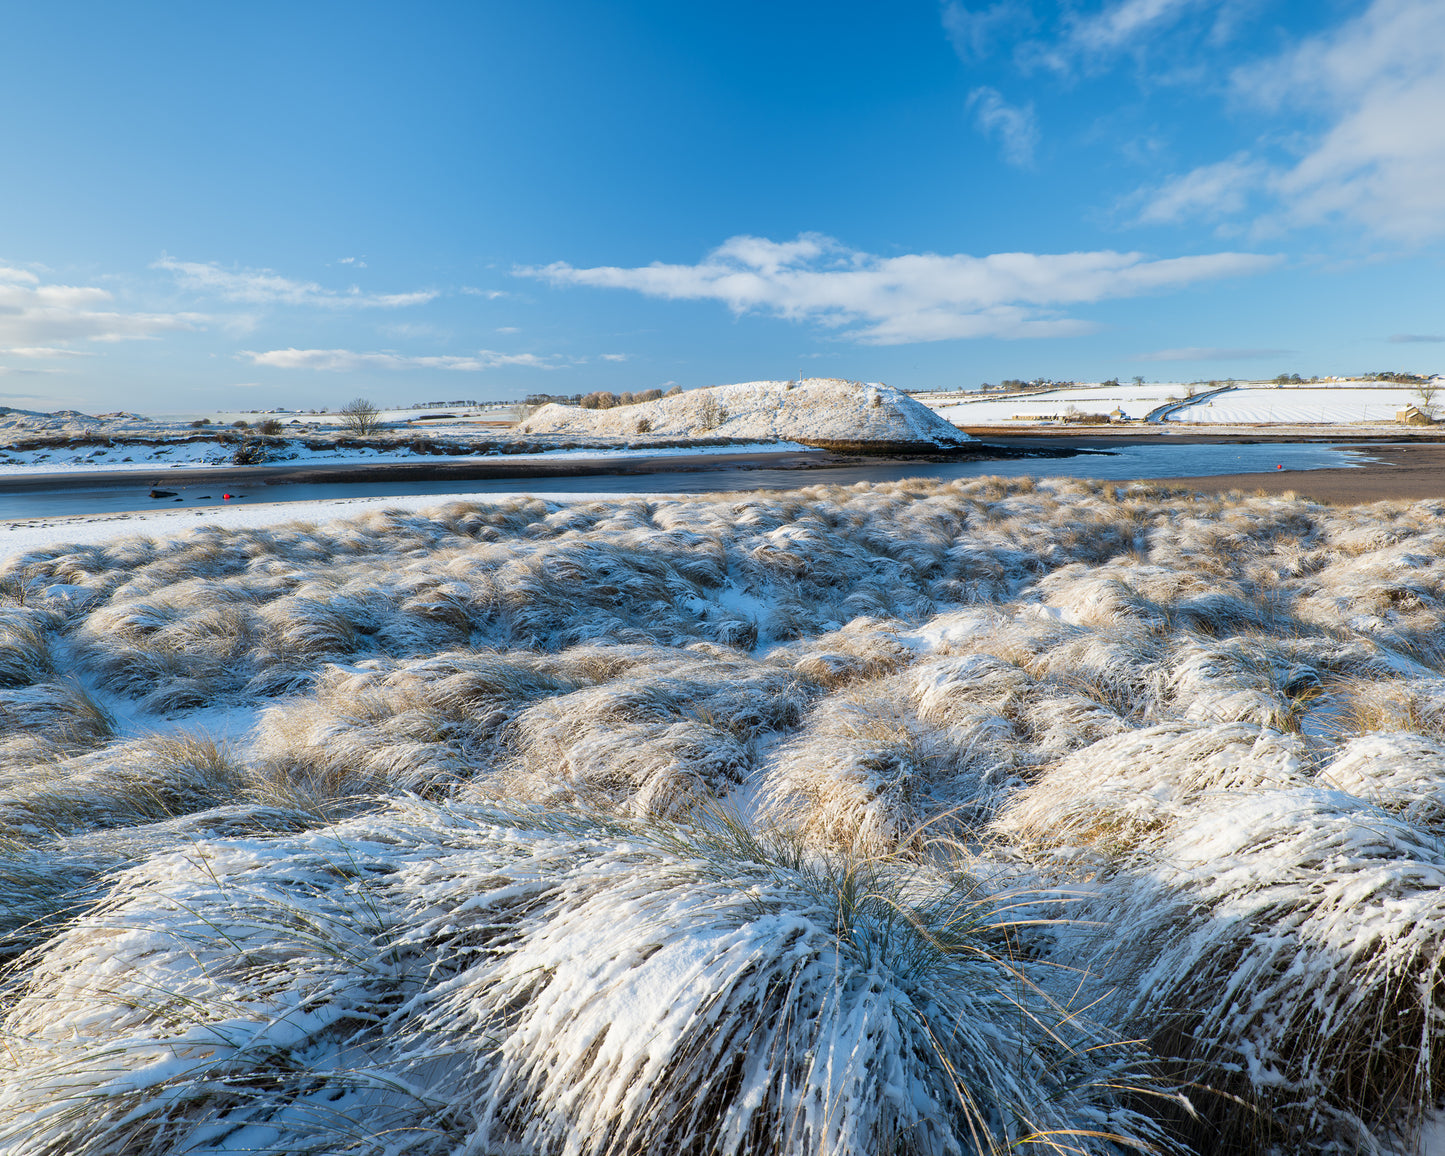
(838, 821)
(817, 411)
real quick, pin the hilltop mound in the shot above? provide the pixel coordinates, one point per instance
(824, 412)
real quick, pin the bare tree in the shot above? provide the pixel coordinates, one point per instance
(360, 416)
(1427, 391)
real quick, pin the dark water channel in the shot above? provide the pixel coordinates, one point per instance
(1120, 462)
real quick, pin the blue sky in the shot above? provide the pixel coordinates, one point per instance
(283, 204)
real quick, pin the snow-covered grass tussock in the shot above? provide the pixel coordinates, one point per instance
(434, 980)
(816, 411)
(869, 819)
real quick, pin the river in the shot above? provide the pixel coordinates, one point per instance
(1122, 462)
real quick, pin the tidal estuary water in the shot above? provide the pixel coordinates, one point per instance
(1122, 462)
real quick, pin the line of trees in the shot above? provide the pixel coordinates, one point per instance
(605, 399)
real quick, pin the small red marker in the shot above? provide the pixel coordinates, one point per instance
(226, 496)
(1276, 467)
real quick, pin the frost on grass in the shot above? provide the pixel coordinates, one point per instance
(466, 979)
(831, 821)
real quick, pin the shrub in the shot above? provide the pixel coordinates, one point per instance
(710, 414)
(360, 417)
(251, 452)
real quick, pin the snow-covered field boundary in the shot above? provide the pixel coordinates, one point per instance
(838, 820)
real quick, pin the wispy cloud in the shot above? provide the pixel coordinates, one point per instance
(1378, 82)
(489, 294)
(44, 351)
(1015, 127)
(912, 298)
(612, 356)
(1209, 192)
(1416, 338)
(1089, 40)
(37, 317)
(973, 31)
(266, 287)
(1213, 353)
(1117, 26)
(346, 359)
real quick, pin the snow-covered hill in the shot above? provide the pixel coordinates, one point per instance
(818, 411)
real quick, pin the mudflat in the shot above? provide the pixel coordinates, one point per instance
(1397, 473)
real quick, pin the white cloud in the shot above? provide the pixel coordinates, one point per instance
(1093, 39)
(972, 32)
(613, 356)
(1381, 79)
(345, 359)
(1210, 191)
(911, 298)
(1377, 82)
(43, 351)
(1416, 338)
(1118, 25)
(1213, 353)
(489, 294)
(1015, 127)
(38, 316)
(265, 287)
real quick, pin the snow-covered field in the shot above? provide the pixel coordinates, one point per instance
(1339, 403)
(1134, 400)
(914, 818)
(1300, 405)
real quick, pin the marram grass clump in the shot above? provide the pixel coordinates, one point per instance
(430, 980)
(1035, 815)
